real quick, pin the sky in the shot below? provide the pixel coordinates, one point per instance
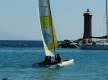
(19, 19)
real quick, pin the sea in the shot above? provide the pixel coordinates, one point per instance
(16, 63)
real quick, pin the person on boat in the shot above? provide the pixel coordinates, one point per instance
(49, 59)
(46, 59)
(58, 58)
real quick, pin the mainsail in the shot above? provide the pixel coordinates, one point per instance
(47, 28)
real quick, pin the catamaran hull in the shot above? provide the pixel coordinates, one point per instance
(66, 63)
(54, 64)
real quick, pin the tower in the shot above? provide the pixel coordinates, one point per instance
(87, 25)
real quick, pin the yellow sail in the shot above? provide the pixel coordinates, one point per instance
(47, 28)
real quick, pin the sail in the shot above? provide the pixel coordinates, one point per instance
(47, 27)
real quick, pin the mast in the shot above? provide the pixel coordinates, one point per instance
(52, 27)
(106, 21)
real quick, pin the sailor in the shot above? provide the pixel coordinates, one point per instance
(49, 59)
(58, 58)
(46, 59)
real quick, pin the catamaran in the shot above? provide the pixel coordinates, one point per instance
(48, 35)
(99, 45)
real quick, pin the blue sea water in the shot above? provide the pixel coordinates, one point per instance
(16, 63)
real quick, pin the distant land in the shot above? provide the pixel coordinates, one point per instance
(9, 36)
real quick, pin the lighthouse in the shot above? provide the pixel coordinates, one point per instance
(87, 25)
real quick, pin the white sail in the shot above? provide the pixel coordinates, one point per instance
(47, 28)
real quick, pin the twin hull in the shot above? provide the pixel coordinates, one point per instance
(55, 64)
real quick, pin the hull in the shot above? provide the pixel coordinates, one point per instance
(95, 46)
(66, 63)
(54, 64)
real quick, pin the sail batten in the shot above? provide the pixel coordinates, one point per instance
(47, 28)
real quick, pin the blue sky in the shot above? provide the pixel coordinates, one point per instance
(19, 19)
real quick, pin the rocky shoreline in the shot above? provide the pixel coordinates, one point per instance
(70, 43)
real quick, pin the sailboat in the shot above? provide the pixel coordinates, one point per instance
(99, 45)
(49, 35)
